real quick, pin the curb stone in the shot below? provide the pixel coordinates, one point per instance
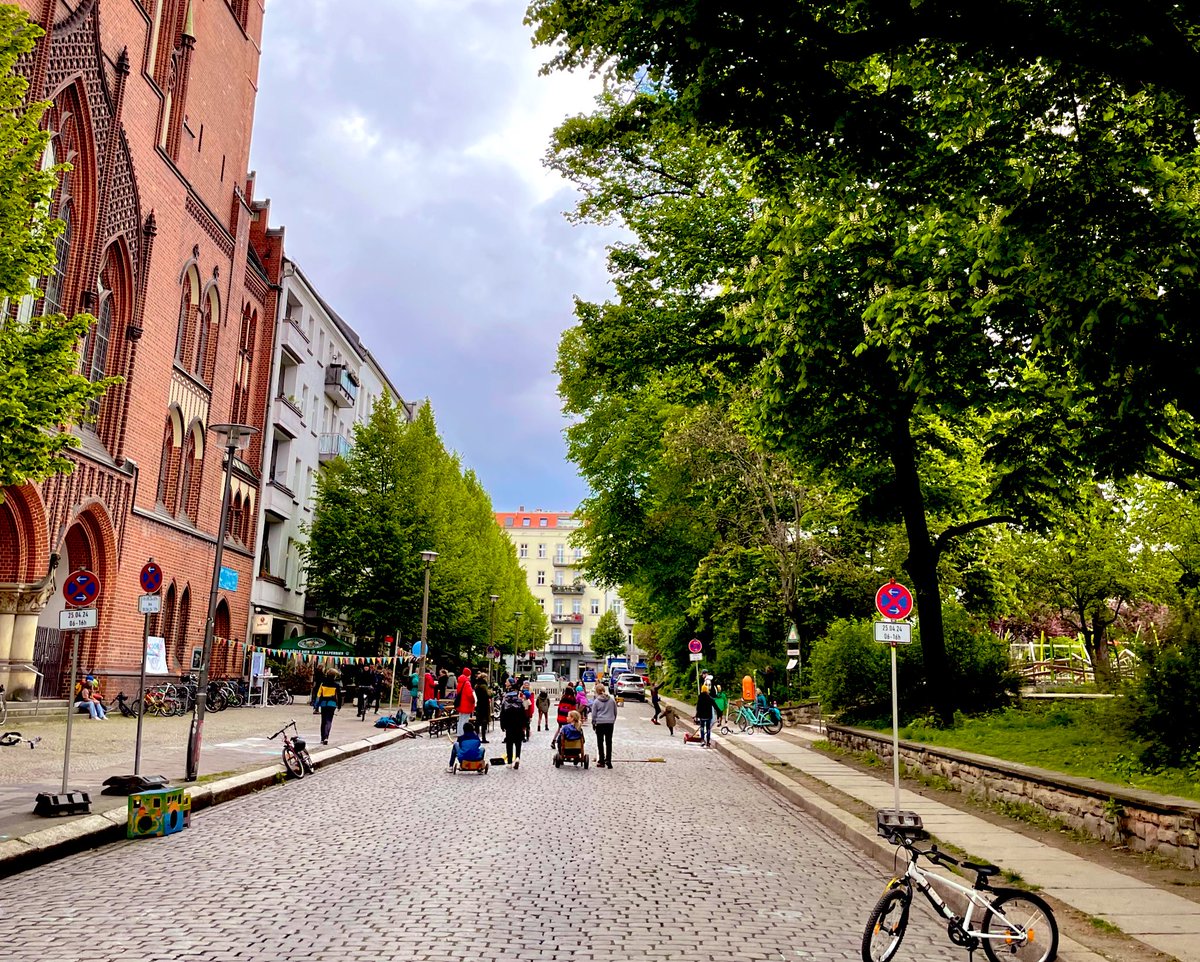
(90, 831)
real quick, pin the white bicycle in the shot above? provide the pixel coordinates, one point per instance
(1013, 924)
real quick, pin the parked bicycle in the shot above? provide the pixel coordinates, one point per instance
(295, 751)
(1013, 924)
(748, 718)
(3, 706)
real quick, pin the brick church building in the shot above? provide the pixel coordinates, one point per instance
(152, 106)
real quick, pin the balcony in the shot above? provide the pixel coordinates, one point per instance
(565, 562)
(288, 416)
(564, 649)
(294, 339)
(566, 619)
(332, 446)
(340, 385)
(575, 589)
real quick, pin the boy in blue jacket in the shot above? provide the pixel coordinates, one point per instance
(468, 747)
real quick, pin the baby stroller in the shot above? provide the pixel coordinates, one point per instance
(570, 750)
(477, 765)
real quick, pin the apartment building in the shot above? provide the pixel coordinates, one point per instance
(554, 572)
(324, 381)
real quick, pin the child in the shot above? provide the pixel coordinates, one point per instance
(543, 710)
(581, 703)
(467, 747)
(572, 730)
(669, 719)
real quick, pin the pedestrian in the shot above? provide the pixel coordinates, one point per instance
(543, 710)
(430, 693)
(704, 716)
(655, 703)
(329, 700)
(483, 709)
(566, 705)
(669, 719)
(513, 722)
(414, 686)
(527, 701)
(443, 680)
(581, 703)
(720, 706)
(604, 717)
(464, 699)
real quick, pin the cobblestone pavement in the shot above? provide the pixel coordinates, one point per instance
(388, 857)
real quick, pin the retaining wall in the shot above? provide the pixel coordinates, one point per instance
(1144, 821)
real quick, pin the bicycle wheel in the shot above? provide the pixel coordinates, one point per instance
(886, 926)
(742, 722)
(772, 725)
(3, 711)
(292, 761)
(1029, 931)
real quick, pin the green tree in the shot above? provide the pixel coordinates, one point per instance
(41, 391)
(400, 492)
(608, 639)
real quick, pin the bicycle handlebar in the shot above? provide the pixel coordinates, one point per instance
(291, 724)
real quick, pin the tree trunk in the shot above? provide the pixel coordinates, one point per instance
(921, 565)
(1101, 667)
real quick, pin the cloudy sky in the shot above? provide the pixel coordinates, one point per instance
(400, 143)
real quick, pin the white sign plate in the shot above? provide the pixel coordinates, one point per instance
(76, 619)
(793, 652)
(156, 656)
(792, 663)
(149, 604)
(262, 624)
(696, 656)
(893, 632)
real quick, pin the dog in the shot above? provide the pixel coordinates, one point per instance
(669, 719)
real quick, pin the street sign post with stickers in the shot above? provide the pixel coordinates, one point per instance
(895, 602)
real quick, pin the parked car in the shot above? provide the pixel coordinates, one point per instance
(630, 685)
(548, 682)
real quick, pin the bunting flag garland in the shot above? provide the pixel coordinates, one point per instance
(325, 660)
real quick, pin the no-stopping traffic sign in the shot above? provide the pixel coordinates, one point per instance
(151, 577)
(81, 588)
(894, 601)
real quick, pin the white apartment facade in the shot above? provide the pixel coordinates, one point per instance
(323, 381)
(554, 572)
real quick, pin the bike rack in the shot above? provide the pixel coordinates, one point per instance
(8, 665)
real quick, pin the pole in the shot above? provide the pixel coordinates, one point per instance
(196, 739)
(895, 734)
(70, 709)
(516, 639)
(395, 669)
(137, 751)
(424, 643)
(491, 638)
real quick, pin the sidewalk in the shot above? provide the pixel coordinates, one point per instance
(237, 757)
(1153, 916)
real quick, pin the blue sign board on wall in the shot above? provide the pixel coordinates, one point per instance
(228, 579)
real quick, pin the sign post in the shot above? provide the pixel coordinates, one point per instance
(894, 601)
(696, 654)
(150, 603)
(81, 589)
(395, 640)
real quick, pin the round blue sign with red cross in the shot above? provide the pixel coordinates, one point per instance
(81, 588)
(151, 577)
(894, 600)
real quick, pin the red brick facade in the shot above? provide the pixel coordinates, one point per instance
(153, 105)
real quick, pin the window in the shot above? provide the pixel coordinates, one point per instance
(577, 636)
(541, 577)
(523, 551)
(595, 606)
(577, 606)
(95, 346)
(308, 488)
(182, 332)
(559, 557)
(56, 282)
(558, 578)
(168, 466)
(558, 636)
(245, 359)
(508, 521)
(578, 554)
(203, 323)
(558, 606)
(187, 467)
(541, 551)
(543, 522)
(524, 522)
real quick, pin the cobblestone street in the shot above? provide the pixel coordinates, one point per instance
(388, 857)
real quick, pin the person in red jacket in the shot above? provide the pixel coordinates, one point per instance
(464, 699)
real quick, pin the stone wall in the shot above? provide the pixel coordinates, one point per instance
(1144, 821)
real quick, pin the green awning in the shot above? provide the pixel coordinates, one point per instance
(314, 645)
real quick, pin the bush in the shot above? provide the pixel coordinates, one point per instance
(851, 672)
(1166, 702)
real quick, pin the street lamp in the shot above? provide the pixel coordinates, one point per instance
(236, 437)
(491, 637)
(516, 639)
(429, 557)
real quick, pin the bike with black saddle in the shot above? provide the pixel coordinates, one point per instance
(1012, 924)
(295, 751)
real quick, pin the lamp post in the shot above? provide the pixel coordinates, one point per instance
(236, 437)
(429, 557)
(491, 637)
(516, 638)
